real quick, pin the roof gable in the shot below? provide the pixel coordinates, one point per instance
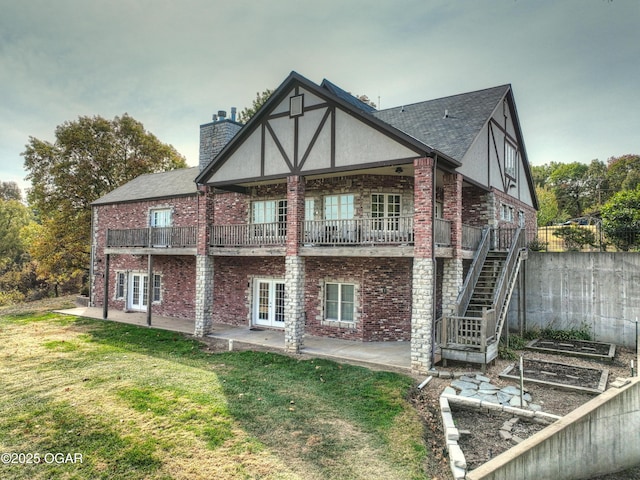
(276, 142)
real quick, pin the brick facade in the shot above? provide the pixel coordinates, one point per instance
(178, 273)
(382, 303)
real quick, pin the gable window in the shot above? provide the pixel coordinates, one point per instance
(120, 283)
(296, 106)
(338, 207)
(387, 207)
(160, 217)
(510, 160)
(339, 302)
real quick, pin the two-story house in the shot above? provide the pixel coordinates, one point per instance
(327, 217)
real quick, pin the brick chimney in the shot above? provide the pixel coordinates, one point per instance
(215, 135)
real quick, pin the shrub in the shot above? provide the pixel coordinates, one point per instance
(576, 237)
(11, 298)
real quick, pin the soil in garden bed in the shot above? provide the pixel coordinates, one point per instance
(580, 347)
(559, 373)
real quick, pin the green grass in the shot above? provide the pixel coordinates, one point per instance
(150, 404)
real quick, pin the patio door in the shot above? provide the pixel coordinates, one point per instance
(138, 291)
(268, 303)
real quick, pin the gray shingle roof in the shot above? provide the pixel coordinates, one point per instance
(154, 185)
(452, 135)
(346, 96)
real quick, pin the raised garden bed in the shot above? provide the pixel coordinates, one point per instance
(578, 348)
(561, 375)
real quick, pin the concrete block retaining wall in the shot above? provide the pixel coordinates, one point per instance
(600, 437)
(575, 289)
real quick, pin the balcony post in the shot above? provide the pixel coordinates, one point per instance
(423, 267)
(294, 311)
(452, 278)
(204, 264)
(105, 305)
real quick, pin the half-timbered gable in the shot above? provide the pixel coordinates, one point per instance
(305, 129)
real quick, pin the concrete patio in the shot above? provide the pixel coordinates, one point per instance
(393, 356)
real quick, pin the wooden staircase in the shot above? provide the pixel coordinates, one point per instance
(484, 291)
(472, 332)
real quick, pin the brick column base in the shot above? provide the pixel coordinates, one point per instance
(451, 283)
(422, 315)
(204, 295)
(294, 313)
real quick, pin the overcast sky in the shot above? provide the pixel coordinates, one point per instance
(574, 65)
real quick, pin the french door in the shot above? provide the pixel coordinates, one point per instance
(138, 291)
(268, 303)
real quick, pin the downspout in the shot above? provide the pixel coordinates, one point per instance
(434, 261)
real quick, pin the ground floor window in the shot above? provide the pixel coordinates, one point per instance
(157, 284)
(121, 279)
(339, 302)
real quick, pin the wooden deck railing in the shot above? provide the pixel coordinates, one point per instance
(442, 232)
(372, 231)
(469, 332)
(161, 237)
(248, 235)
(471, 237)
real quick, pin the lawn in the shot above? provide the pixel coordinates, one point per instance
(91, 399)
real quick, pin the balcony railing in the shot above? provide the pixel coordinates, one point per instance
(442, 232)
(248, 235)
(159, 237)
(359, 231)
(471, 237)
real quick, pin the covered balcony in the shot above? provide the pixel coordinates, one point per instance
(156, 240)
(382, 235)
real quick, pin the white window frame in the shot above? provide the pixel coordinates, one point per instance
(340, 302)
(269, 211)
(121, 285)
(389, 208)
(510, 160)
(157, 288)
(160, 217)
(309, 208)
(339, 207)
(506, 212)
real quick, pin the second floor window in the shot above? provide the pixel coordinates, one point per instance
(384, 205)
(160, 217)
(338, 207)
(270, 211)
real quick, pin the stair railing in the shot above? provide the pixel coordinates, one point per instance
(512, 261)
(464, 297)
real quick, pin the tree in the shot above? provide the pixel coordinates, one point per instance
(596, 183)
(14, 216)
(568, 181)
(623, 173)
(575, 238)
(10, 191)
(248, 112)
(621, 219)
(548, 211)
(89, 158)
